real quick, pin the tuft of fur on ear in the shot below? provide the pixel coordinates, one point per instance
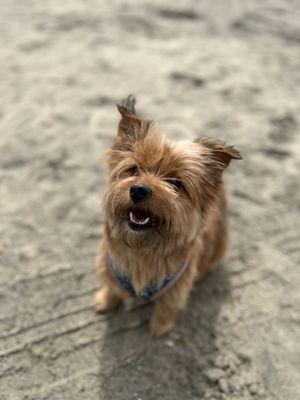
(219, 153)
(128, 104)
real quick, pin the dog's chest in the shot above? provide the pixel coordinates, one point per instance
(145, 278)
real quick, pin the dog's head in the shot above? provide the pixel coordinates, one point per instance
(158, 191)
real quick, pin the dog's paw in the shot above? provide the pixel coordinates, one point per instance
(103, 301)
(159, 328)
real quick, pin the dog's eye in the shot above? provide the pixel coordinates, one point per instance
(175, 182)
(134, 170)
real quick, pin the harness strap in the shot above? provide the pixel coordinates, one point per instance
(153, 291)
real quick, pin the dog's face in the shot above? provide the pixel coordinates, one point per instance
(157, 191)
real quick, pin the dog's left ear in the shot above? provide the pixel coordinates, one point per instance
(218, 154)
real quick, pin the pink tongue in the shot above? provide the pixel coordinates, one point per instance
(140, 215)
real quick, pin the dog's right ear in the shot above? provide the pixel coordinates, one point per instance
(129, 124)
(130, 130)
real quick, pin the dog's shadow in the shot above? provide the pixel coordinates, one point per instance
(133, 365)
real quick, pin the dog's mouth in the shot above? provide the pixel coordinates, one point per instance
(140, 219)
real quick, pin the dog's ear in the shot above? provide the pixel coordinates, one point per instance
(130, 130)
(217, 154)
(129, 124)
(131, 127)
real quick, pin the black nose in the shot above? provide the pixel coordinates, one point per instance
(139, 192)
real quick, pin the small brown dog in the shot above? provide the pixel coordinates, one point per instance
(164, 214)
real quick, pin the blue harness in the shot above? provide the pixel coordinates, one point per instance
(153, 290)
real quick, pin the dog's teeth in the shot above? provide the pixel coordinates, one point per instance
(131, 216)
(132, 219)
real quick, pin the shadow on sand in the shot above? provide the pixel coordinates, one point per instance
(133, 365)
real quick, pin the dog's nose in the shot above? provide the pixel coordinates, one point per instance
(139, 192)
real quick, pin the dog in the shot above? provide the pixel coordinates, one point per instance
(164, 209)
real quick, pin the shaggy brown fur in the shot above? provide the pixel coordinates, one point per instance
(187, 219)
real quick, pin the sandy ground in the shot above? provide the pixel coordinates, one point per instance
(227, 69)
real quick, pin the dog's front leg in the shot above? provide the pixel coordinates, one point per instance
(106, 299)
(170, 303)
(110, 295)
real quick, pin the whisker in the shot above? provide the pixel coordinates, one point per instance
(127, 244)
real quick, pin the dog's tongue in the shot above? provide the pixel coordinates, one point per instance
(140, 215)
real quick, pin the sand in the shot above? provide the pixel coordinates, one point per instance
(227, 69)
